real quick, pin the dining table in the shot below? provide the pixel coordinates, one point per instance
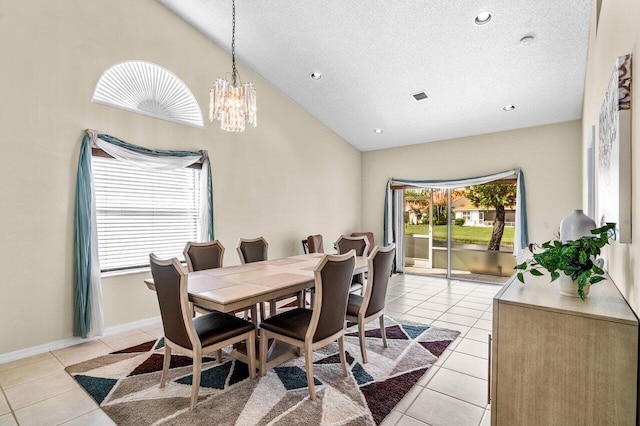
(233, 288)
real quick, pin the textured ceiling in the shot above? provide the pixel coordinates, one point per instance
(373, 54)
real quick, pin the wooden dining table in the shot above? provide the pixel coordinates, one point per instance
(233, 288)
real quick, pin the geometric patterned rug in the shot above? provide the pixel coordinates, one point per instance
(126, 383)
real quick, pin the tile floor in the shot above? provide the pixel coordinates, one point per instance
(37, 390)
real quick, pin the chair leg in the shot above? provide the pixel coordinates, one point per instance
(263, 352)
(363, 347)
(219, 356)
(343, 356)
(312, 298)
(263, 314)
(383, 331)
(251, 353)
(308, 358)
(195, 383)
(254, 315)
(165, 364)
(272, 307)
(301, 299)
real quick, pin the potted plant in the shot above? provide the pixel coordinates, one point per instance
(574, 259)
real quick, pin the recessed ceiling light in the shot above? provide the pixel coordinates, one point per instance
(377, 131)
(509, 107)
(482, 18)
(316, 75)
(527, 40)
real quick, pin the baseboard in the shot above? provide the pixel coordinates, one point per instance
(60, 344)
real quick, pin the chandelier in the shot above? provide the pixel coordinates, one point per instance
(233, 103)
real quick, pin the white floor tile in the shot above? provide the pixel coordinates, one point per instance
(467, 364)
(56, 410)
(457, 319)
(473, 347)
(409, 421)
(8, 420)
(437, 409)
(93, 418)
(461, 386)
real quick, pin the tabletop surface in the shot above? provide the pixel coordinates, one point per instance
(232, 284)
(604, 300)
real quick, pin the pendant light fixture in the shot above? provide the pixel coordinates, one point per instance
(233, 103)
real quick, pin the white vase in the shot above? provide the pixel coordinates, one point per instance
(569, 287)
(575, 226)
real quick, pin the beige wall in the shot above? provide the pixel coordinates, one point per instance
(52, 54)
(618, 34)
(549, 156)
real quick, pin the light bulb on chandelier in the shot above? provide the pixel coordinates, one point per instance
(231, 103)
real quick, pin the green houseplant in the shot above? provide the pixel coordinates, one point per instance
(574, 258)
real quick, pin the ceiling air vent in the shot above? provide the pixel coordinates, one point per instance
(420, 96)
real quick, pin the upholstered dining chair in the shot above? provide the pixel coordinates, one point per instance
(369, 236)
(315, 243)
(370, 306)
(252, 249)
(312, 329)
(206, 255)
(361, 246)
(197, 336)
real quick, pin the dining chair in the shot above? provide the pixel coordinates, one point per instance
(369, 236)
(252, 250)
(191, 336)
(315, 243)
(313, 329)
(305, 246)
(361, 246)
(208, 255)
(370, 306)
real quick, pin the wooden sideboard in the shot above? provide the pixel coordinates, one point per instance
(556, 360)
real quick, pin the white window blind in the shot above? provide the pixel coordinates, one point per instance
(141, 211)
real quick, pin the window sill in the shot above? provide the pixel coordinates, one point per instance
(110, 274)
(145, 270)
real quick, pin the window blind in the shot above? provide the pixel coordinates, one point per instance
(140, 211)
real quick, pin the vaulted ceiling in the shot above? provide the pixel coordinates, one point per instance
(373, 55)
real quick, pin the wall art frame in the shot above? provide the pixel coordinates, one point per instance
(614, 151)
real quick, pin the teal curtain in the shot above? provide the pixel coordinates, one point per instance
(83, 242)
(521, 235)
(86, 279)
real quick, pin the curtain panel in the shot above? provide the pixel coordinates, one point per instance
(393, 218)
(88, 310)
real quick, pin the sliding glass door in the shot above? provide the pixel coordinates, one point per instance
(463, 233)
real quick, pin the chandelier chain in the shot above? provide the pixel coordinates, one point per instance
(234, 71)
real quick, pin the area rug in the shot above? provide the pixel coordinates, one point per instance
(126, 383)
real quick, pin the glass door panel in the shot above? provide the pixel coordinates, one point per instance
(462, 233)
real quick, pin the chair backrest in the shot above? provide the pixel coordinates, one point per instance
(305, 246)
(252, 249)
(359, 244)
(380, 263)
(332, 282)
(201, 256)
(171, 288)
(315, 243)
(369, 236)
